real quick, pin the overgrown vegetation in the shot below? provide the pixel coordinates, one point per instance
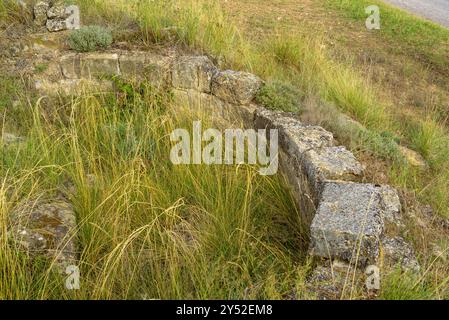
(90, 38)
(12, 11)
(233, 219)
(148, 229)
(303, 61)
(276, 95)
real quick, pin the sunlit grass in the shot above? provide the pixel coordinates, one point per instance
(424, 39)
(149, 229)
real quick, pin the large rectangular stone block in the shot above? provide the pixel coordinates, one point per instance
(70, 66)
(94, 65)
(147, 66)
(348, 224)
(199, 102)
(239, 115)
(73, 86)
(299, 187)
(331, 163)
(133, 65)
(236, 87)
(296, 140)
(193, 72)
(295, 137)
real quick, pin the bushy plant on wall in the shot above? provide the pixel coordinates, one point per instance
(277, 95)
(90, 38)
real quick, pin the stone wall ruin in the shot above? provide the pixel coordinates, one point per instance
(346, 216)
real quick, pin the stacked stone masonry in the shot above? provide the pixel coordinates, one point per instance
(346, 217)
(52, 14)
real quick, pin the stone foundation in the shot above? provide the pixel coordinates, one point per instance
(346, 217)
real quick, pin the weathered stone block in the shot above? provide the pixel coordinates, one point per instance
(266, 119)
(298, 139)
(331, 163)
(40, 12)
(133, 65)
(199, 101)
(295, 138)
(57, 11)
(236, 87)
(348, 224)
(99, 64)
(70, 66)
(392, 205)
(299, 186)
(193, 72)
(145, 66)
(57, 24)
(397, 252)
(73, 86)
(239, 115)
(45, 228)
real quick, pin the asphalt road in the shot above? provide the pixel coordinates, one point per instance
(435, 10)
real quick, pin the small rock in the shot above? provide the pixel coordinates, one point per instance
(396, 251)
(392, 206)
(57, 11)
(45, 228)
(9, 138)
(55, 25)
(334, 281)
(413, 157)
(236, 87)
(40, 12)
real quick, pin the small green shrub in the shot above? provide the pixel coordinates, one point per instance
(276, 95)
(90, 38)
